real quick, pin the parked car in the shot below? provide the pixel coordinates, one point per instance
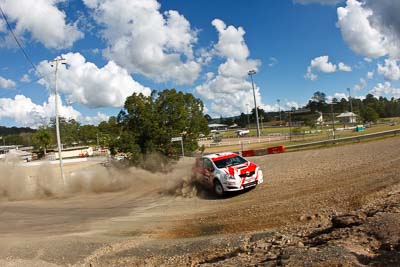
(226, 172)
(241, 133)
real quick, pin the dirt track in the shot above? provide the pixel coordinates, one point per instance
(145, 224)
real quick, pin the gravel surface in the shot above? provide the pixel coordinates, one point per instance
(326, 207)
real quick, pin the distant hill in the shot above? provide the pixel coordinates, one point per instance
(15, 130)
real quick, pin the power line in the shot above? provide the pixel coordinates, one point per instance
(19, 87)
(19, 44)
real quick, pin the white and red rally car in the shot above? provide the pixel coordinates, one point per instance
(224, 172)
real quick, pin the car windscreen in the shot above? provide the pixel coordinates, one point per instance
(226, 162)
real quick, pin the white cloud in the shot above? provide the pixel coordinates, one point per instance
(367, 59)
(230, 90)
(370, 74)
(143, 40)
(371, 28)
(322, 2)
(288, 105)
(85, 83)
(339, 96)
(273, 62)
(25, 78)
(3, 27)
(361, 85)
(309, 75)
(95, 120)
(43, 21)
(24, 112)
(231, 42)
(390, 70)
(6, 83)
(344, 67)
(322, 64)
(385, 89)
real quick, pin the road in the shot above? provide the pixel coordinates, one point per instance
(115, 217)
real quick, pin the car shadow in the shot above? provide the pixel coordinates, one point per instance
(204, 192)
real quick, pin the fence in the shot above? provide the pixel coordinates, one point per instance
(346, 139)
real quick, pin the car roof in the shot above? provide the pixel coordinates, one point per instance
(218, 156)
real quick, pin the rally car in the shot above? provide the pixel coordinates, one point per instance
(225, 172)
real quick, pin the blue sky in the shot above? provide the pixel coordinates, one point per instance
(114, 48)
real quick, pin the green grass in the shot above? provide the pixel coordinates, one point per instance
(299, 139)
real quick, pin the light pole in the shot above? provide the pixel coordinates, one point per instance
(333, 120)
(251, 73)
(290, 126)
(351, 106)
(248, 116)
(55, 63)
(280, 117)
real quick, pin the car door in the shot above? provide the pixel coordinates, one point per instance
(208, 173)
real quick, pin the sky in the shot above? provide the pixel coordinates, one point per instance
(114, 48)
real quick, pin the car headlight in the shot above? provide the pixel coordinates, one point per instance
(228, 177)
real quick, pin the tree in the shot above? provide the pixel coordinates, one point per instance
(261, 114)
(69, 130)
(242, 120)
(208, 118)
(87, 134)
(149, 122)
(109, 134)
(343, 105)
(42, 139)
(319, 97)
(318, 102)
(228, 121)
(368, 114)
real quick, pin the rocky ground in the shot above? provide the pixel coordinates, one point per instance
(366, 236)
(337, 206)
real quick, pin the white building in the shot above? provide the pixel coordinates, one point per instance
(215, 127)
(15, 152)
(347, 117)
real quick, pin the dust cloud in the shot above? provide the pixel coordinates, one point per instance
(18, 182)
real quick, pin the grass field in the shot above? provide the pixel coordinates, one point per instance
(387, 124)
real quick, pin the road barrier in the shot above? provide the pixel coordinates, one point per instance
(263, 152)
(248, 153)
(260, 152)
(276, 149)
(357, 138)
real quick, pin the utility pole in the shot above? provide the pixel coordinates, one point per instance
(351, 106)
(54, 63)
(280, 117)
(251, 73)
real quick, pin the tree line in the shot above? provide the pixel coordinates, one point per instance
(143, 127)
(368, 109)
(146, 124)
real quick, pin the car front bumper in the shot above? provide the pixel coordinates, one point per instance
(243, 183)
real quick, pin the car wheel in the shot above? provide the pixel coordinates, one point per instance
(218, 189)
